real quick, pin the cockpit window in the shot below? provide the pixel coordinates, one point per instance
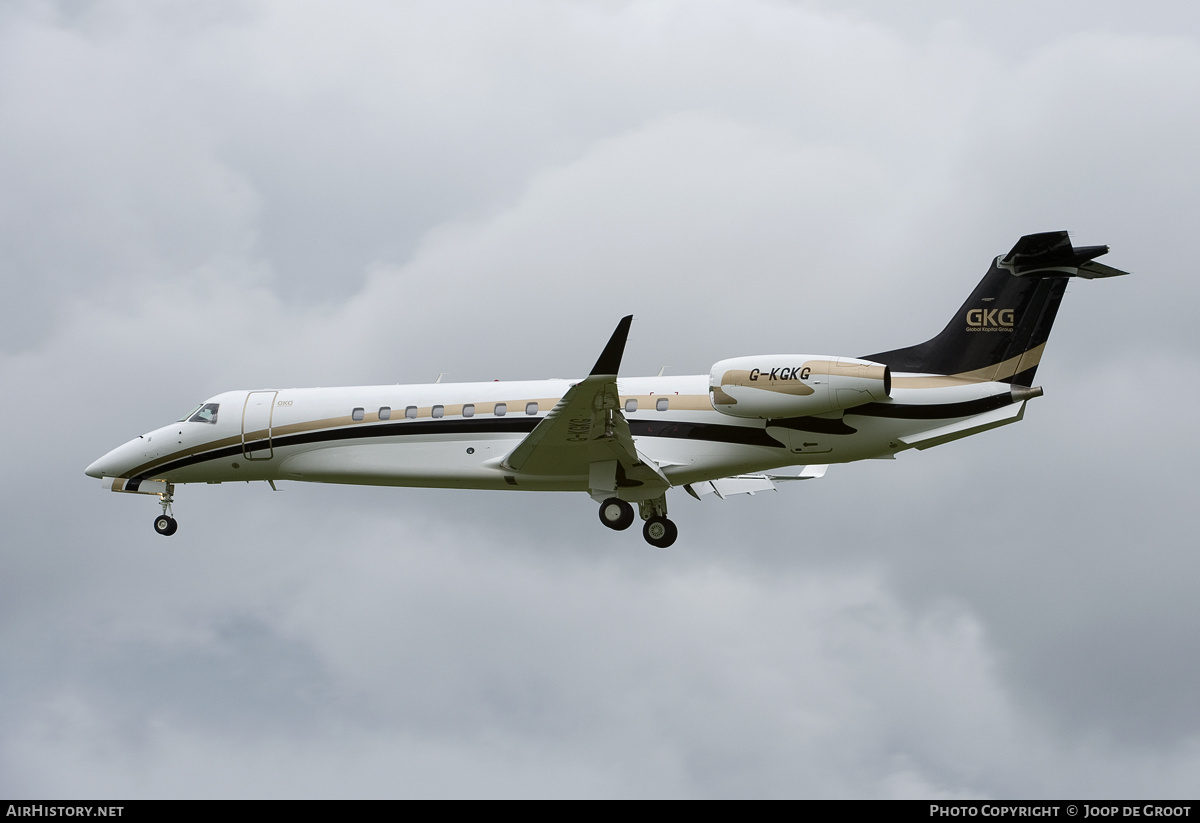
(205, 414)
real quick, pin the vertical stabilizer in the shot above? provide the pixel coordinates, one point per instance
(999, 333)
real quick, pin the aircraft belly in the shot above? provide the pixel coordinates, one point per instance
(214, 472)
(429, 463)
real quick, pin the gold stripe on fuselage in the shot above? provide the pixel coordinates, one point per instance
(516, 408)
(988, 374)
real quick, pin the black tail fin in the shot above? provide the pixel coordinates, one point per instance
(1000, 332)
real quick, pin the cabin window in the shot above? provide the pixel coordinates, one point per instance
(631, 404)
(531, 408)
(469, 410)
(662, 403)
(501, 409)
(358, 414)
(439, 411)
(385, 413)
(410, 412)
(205, 414)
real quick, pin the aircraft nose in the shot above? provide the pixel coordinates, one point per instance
(117, 462)
(97, 468)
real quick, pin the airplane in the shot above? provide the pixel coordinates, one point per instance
(748, 425)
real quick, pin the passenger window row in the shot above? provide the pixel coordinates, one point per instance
(500, 409)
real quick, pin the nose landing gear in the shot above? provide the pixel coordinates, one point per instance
(165, 524)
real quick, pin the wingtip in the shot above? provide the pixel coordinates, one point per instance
(609, 361)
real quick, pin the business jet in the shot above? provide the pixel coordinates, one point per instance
(748, 425)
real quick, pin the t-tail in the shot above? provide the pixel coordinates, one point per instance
(999, 334)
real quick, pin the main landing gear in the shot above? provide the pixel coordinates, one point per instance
(658, 530)
(165, 524)
(616, 514)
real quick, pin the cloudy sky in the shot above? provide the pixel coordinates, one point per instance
(253, 194)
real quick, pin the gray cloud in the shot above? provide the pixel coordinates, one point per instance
(280, 194)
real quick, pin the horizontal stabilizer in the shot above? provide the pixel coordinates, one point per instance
(1052, 250)
(1091, 270)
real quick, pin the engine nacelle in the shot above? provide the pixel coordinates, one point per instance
(795, 385)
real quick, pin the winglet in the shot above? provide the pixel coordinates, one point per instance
(610, 358)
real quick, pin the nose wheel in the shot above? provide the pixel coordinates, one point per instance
(165, 524)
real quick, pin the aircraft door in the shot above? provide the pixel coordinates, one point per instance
(801, 441)
(256, 425)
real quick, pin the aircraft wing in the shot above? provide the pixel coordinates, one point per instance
(585, 433)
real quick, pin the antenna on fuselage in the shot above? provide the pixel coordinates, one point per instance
(440, 376)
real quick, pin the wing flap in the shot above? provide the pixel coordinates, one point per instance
(724, 487)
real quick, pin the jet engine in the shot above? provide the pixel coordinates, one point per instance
(795, 385)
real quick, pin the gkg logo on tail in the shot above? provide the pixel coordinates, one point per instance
(990, 320)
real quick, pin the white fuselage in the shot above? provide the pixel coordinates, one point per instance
(456, 435)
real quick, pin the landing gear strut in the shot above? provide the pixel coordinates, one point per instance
(165, 524)
(616, 514)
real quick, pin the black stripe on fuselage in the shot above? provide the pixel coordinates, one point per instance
(933, 411)
(712, 432)
(815, 425)
(715, 432)
(485, 425)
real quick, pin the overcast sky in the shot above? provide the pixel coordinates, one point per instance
(252, 194)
